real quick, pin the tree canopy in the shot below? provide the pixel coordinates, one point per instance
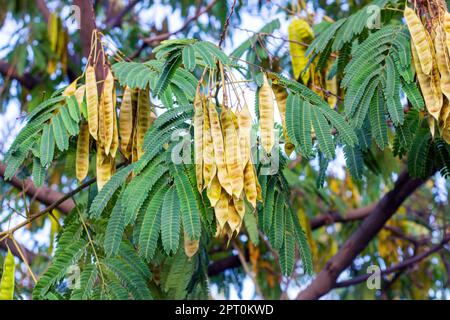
(175, 150)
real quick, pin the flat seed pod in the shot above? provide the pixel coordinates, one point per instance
(108, 111)
(115, 139)
(219, 150)
(144, 119)
(442, 59)
(52, 30)
(71, 89)
(79, 96)
(447, 29)
(221, 209)
(427, 86)
(239, 206)
(258, 186)
(126, 119)
(209, 166)
(7, 282)
(101, 123)
(266, 116)
(92, 101)
(232, 153)
(244, 119)
(250, 184)
(214, 191)
(103, 165)
(234, 220)
(281, 98)
(82, 156)
(299, 32)
(190, 246)
(419, 36)
(198, 138)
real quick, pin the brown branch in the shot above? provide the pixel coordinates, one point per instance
(386, 207)
(27, 79)
(155, 40)
(43, 194)
(8, 243)
(402, 265)
(334, 216)
(117, 20)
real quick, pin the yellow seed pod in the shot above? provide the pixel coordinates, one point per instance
(115, 139)
(126, 119)
(190, 246)
(82, 155)
(52, 29)
(281, 98)
(234, 220)
(101, 122)
(442, 59)
(239, 205)
(108, 110)
(214, 191)
(79, 94)
(444, 116)
(144, 119)
(447, 29)
(266, 115)
(209, 166)
(299, 33)
(51, 66)
(198, 138)
(244, 119)
(258, 186)
(103, 165)
(419, 36)
(70, 89)
(250, 184)
(221, 209)
(219, 150)
(7, 282)
(232, 153)
(92, 101)
(427, 85)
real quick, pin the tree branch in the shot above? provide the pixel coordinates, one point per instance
(386, 207)
(43, 194)
(117, 20)
(8, 243)
(27, 79)
(402, 265)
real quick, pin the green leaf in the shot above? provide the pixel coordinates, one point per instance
(38, 173)
(279, 222)
(378, 120)
(302, 243)
(170, 66)
(323, 133)
(69, 123)
(60, 133)
(252, 227)
(87, 281)
(354, 160)
(114, 230)
(190, 212)
(287, 250)
(74, 109)
(151, 225)
(170, 221)
(189, 58)
(47, 146)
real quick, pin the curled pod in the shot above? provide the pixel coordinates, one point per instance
(281, 98)
(82, 155)
(144, 119)
(442, 59)
(190, 246)
(126, 119)
(433, 101)
(70, 89)
(103, 165)
(419, 36)
(92, 101)
(209, 166)
(7, 282)
(250, 184)
(234, 220)
(198, 138)
(266, 115)
(221, 209)
(219, 150)
(244, 119)
(232, 153)
(214, 191)
(108, 111)
(447, 29)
